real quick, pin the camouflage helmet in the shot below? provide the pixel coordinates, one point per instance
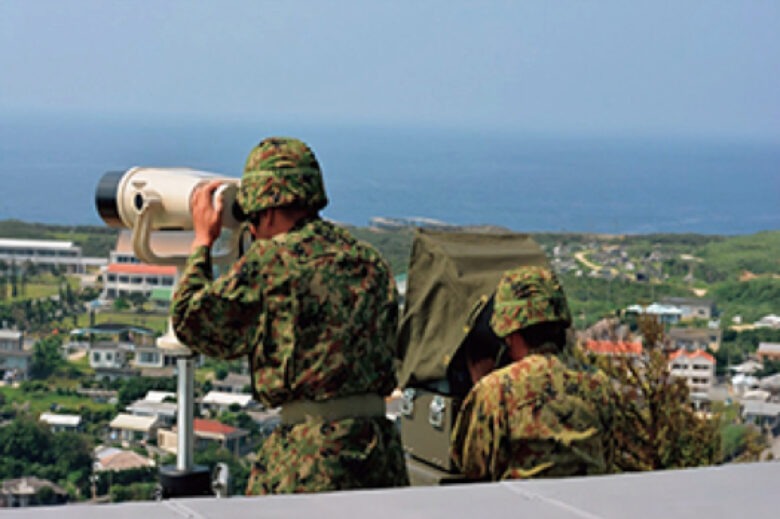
(281, 171)
(526, 296)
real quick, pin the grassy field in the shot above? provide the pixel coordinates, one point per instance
(153, 321)
(40, 286)
(43, 401)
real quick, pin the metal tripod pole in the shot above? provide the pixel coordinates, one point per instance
(185, 478)
(184, 397)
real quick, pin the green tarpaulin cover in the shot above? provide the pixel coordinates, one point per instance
(449, 274)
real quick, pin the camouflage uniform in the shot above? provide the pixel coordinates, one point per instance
(536, 417)
(315, 311)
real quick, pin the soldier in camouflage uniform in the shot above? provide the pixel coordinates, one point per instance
(536, 417)
(315, 312)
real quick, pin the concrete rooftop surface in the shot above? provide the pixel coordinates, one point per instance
(729, 491)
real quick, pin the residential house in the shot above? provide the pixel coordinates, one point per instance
(768, 351)
(768, 321)
(153, 360)
(126, 275)
(691, 308)
(618, 351)
(215, 402)
(131, 429)
(268, 420)
(614, 348)
(110, 361)
(697, 368)
(159, 396)
(111, 346)
(763, 414)
(61, 422)
(24, 491)
(15, 361)
(771, 383)
(164, 412)
(112, 459)
(692, 339)
(108, 355)
(666, 314)
(206, 432)
(129, 336)
(122, 280)
(742, 383)
(232, 383)
(749, 367)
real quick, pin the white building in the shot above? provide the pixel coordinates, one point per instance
(666, 314)
(131, 429)
(164, 412)
(123, 279)
(232, 383)
(153, 358)
(126, 275)
(697, 368)
(159, 396)
(63, 254)
(768, 321)
(107, 355)
(217, 401)
(694, 338)
(691, 308)
(768, 351)
(14, 359)
(61, 422)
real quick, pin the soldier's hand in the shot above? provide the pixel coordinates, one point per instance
(206, 214)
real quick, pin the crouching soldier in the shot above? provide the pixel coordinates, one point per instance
(536, 417)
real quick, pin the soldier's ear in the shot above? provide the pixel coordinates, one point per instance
(252, 229)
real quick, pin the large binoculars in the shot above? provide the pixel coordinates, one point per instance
(159, 199)
(122, 197)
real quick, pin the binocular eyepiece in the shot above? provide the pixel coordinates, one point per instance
(164, 194)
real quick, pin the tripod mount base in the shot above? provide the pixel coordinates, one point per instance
(190, 483)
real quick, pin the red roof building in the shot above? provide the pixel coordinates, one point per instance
(211, 427)
(614, 348)
(696, 367)
(141, 268)
(233, 439)
(123, 279)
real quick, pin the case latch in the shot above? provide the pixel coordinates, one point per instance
(436, 411)
(407, 402)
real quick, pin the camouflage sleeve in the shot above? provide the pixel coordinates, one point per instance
(207, 316)
(476, 435)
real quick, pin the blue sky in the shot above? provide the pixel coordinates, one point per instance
(698, 68)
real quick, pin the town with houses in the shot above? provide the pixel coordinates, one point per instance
(143, 432)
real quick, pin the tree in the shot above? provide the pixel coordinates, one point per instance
(47, 357)
(45, 496)
(14, 286)
(138, 299)
(655, 424)
(220, 372)
(120, 304)
(134, 388)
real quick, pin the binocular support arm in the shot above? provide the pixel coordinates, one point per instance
(142, 231)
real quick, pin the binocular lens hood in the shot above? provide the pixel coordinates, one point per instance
(105, 198)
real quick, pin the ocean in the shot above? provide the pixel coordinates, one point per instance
(50, 167)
